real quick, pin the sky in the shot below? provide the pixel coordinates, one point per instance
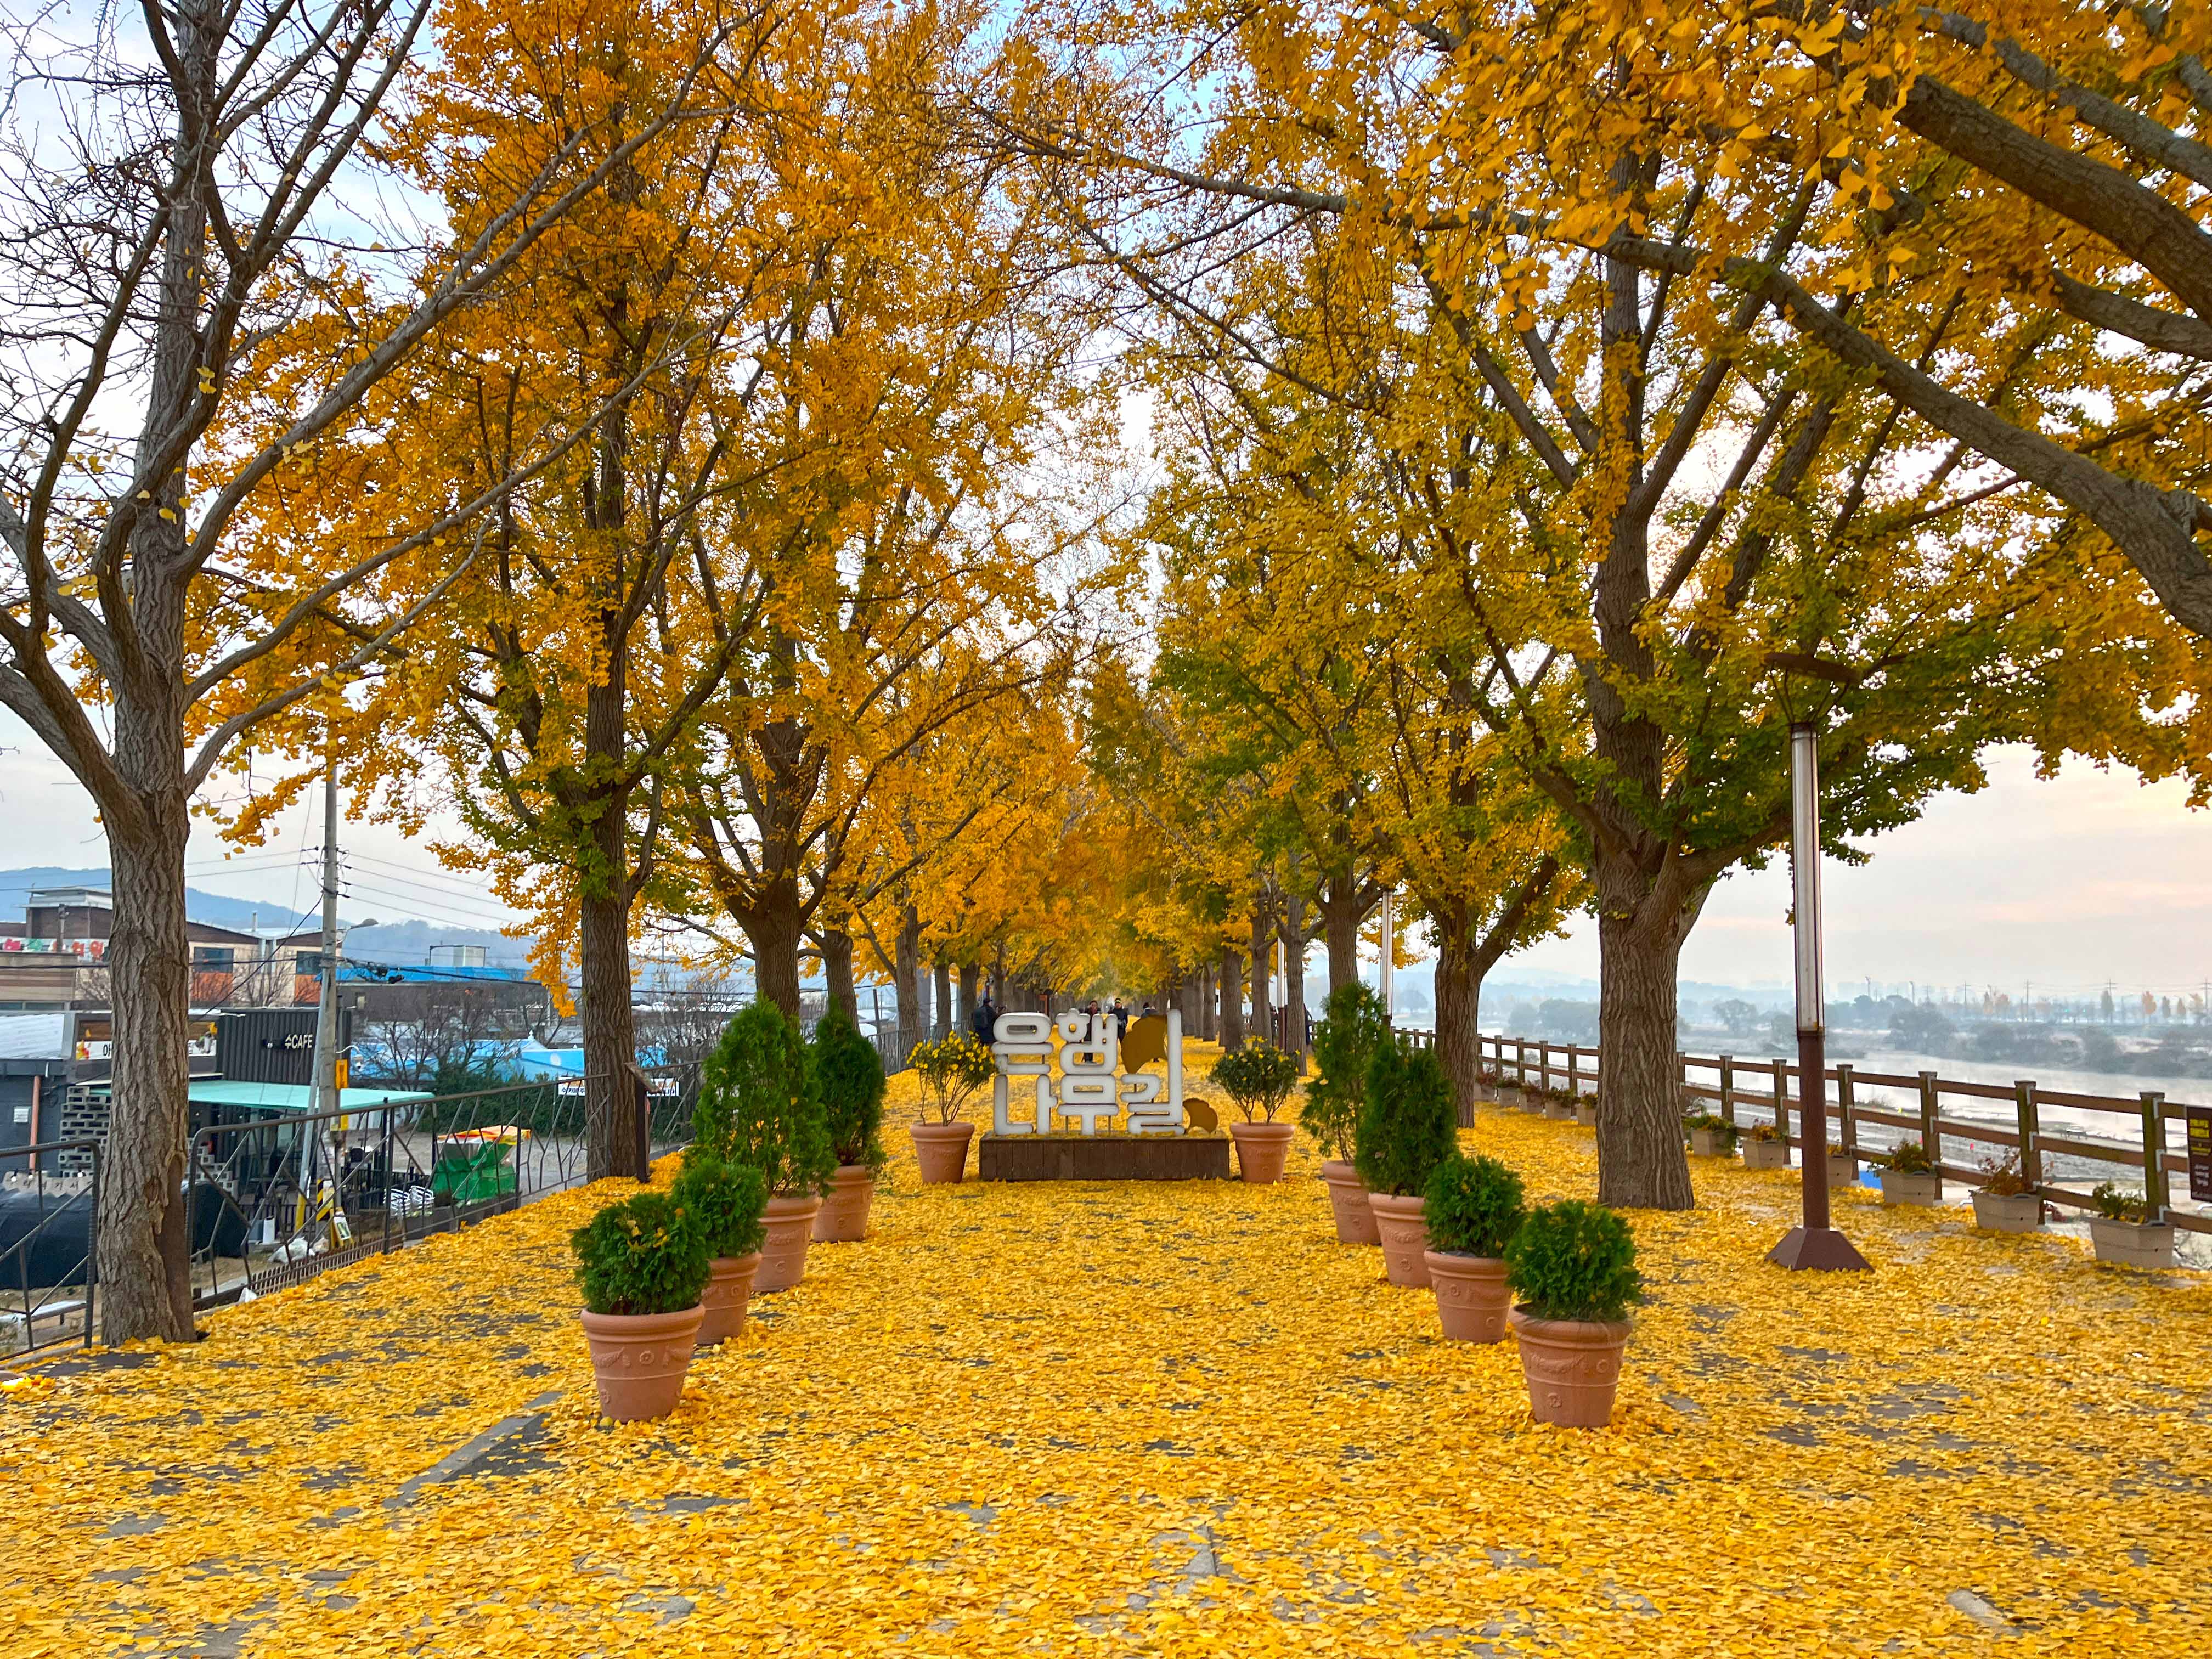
(2064, 884)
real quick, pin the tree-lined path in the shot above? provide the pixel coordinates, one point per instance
(1139, 1418)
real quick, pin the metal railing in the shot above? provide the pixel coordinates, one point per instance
(1765, 1090)
(48, 1264)
(275, 1199)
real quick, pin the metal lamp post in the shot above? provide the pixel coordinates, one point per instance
(1815, 1244)
(1389, 1003)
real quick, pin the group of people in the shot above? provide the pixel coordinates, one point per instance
(984, 1022)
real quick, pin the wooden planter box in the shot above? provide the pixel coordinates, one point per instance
(1899, 1188)
(1712, 1143)
(1102, 1158)
(2133, 1244)
(2008, 1212)
(1765, 1155)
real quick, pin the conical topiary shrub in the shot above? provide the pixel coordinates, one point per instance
(849, 1075)
(1407, 1125)
(759, 1105)
(1352, 1027)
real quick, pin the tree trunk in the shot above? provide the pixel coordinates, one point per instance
(1208, 1029)
(1294, 974)
(1642, 1164)
(1458, 1005)
(1263, 1013)
(1341, 914)
(776, 929)
(145, 1240)
(1232, 1000)
(971, 986)
(837, 971)
(610, 1025)
(1189, 991)
(999, 978)
(941, 1003)
(906, 972)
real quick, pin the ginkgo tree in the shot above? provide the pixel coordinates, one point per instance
(207, 297)
(1670, 527)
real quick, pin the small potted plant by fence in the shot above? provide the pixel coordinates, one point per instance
(642, 1264)
(1561, 1105)
(2004, 1202)
(1586, 1109)
(1344, 1045)
(726, 1200)
(849, 1073)
(1473, 1207)
(1406, 1127)
(1764, 1148)
(2124, 1232)
(1259, 1077)
(953, 1071)
(1572, 1269)
(1843, 1166)
(1711, 1134)
(758, 1105)
(1907, 1176)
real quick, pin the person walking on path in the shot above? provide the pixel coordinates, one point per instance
(984, 1022)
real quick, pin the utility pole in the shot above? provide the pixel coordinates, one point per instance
(326, 1002)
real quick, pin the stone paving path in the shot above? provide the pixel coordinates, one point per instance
(1144, 1420)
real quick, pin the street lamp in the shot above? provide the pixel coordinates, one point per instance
(1815, 1244)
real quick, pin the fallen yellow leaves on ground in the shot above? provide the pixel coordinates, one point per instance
(1146, 1419)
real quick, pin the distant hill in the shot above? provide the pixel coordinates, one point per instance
(403, 944)
(216, 909)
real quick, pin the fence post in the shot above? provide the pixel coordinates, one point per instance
(1544, 1065)
(641, 1102)
(2155, 1188)
(1728, 1089)
(1782, 1099)
(2031, 1133)
(91, 1254)
(1931, 1124)
(1574, 1070)
(1681, 1083)
(1520, 1063)
(387, 1180)
(1847, 1127)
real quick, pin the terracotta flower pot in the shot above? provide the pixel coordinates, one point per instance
(1471, 1299)
(941, 1149)
(1572, 1367)
(729, 1289)
(1347, 1199)
(2133, 1244)
(1403, 1223)
(638, 1360)
(1899, 1187)
(1263, 1149)
(789, 1223)
(1765, 1155)
(843, 1217)
(2008, 1212)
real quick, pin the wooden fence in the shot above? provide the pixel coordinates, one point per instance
(1766, 1090)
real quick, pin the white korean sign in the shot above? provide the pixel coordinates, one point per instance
(1093, 1089)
